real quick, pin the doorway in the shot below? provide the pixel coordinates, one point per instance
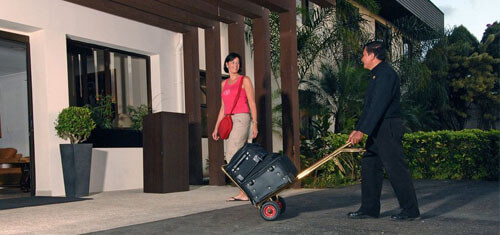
(16, 118)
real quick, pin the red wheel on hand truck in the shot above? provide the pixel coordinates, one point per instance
(270, 210)
(281, 202)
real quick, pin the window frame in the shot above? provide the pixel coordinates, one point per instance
(107, 70)
(110, 137)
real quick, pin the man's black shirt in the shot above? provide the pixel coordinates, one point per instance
(381, 98)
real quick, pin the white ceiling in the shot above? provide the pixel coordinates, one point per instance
(12, 57)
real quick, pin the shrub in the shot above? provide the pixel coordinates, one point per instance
(75, 124)
(459, 155)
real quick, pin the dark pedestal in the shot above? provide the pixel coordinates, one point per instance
(166, 152)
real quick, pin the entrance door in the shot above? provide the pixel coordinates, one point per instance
(16, 118)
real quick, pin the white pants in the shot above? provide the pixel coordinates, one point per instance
(239, 134)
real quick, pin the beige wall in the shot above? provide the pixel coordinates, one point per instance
(48, 23)
(369, 27)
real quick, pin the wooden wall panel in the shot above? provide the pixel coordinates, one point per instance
(262, 70)
(213, 76)
(289, 84)
(236, 34)
(193, 99)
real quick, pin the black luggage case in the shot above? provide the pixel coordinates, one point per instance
(245, 161)
(274, 173)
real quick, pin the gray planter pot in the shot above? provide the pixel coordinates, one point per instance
(76, 160)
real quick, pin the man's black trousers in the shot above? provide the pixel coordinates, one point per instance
(384, 149)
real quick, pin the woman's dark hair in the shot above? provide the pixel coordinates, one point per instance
(231, 57)
(377, 48)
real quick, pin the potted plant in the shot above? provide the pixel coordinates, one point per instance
(75, 124)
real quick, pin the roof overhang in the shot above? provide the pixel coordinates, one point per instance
(424, 10)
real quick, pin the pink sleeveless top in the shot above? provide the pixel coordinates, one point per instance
(228, 94)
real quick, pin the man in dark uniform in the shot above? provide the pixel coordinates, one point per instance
(381, 121)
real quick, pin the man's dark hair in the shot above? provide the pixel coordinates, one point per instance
(231, 57)
(377, 48)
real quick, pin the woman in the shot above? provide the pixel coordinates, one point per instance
(241, 113)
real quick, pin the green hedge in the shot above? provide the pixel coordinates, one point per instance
(463, 155)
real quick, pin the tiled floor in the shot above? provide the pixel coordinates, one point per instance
(6, 193)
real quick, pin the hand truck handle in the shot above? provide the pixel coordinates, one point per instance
(323, 160)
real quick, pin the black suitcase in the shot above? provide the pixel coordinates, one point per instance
(274, 173)
(245, 161)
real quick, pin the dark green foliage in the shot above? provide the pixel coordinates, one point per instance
(457, 75)
(344, 171)
(274, 23)
(102, 112)
(369, 4)
(461, 36)
(459, 155)
(411, 37)
(416, 92)
(75, 124)
(316, 39)
(137, 114)
(462, 155)
(463, 78)
(437, 62)
(491, 40)
(327, 37)
(329, 68)
(340, 91)
(474, 82)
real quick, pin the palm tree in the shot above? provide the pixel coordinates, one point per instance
(340, 90)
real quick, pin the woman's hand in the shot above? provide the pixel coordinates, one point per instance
(215, 135)
(254, 131)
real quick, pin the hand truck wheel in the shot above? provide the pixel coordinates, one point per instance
(281, 202)
(270, 210)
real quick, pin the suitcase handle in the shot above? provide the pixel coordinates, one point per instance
(241, 177)
(237, 165)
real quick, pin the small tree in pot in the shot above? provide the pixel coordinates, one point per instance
(75, 124)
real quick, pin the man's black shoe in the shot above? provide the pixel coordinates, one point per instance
(404, 217)
(359, 215)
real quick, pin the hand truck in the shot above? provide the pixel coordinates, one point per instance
(273, 205)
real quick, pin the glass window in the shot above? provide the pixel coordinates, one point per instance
(113, 83)
(129, 86)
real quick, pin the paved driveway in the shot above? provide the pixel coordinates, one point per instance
(447, 207)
